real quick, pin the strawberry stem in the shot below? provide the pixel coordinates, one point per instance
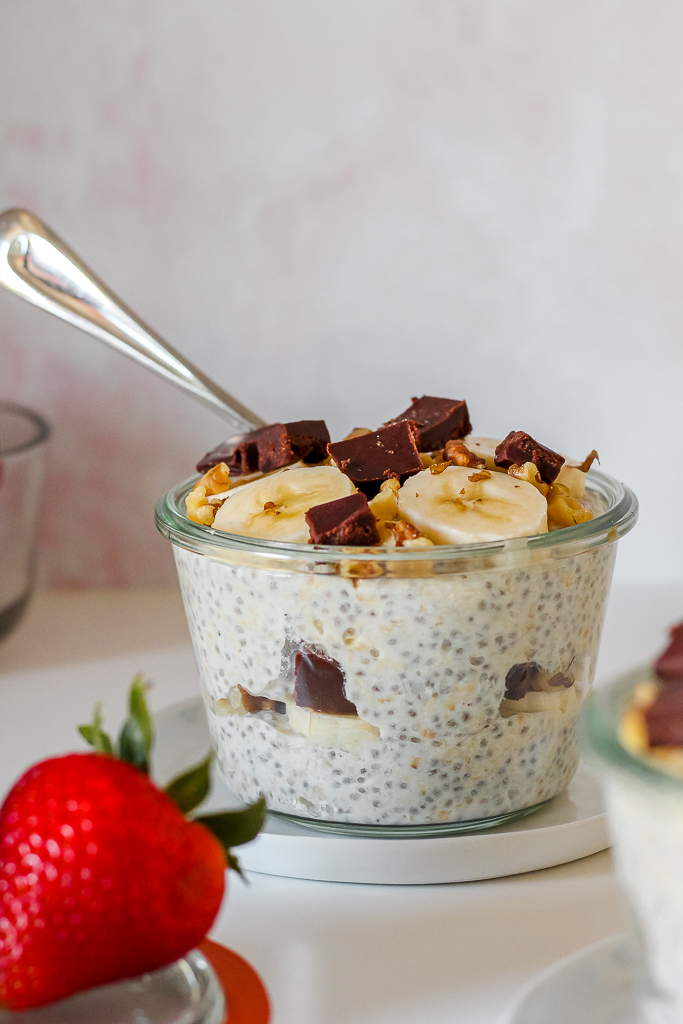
(136, 738)
(233, 828)
(95, 735)
(191, 788)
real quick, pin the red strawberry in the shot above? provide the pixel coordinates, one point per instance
(101, 875)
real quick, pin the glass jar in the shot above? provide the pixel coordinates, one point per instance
(23, 435)
(645, 811)
(427, 642)
(185, 992)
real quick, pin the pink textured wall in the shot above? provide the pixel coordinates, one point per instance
(331, 207)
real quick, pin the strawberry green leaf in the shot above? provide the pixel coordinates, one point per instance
(191, 789)
(138, 709)
(97, 739)
(235, 864)
(95, 735)
(131, 746)
(137, 735)
(232, 828)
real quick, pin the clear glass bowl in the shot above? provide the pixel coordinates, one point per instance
(23, 435)
(186, 992)
(645, 811)
(425, 639)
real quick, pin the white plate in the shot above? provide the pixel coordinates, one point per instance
(567, 828)
(595, 985)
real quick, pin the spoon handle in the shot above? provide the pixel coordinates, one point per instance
(41, 268)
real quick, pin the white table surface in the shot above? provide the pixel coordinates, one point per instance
(329, 953)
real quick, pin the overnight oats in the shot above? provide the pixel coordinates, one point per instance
(395, 630)
(634, 730)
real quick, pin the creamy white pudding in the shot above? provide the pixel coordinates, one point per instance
(425, 662)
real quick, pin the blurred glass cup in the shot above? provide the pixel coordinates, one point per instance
(186, 992)
(23, 435)
(645, 811)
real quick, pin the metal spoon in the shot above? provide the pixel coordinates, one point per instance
(37, 265)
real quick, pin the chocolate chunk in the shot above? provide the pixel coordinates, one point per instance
(343, 521)
(252, 703)
(437, 420)
(520, 679)
(519, 448)
(271, 447)
(669, 665)
(319, 684)
(371, 459)
(240, 453)
(309, 438)
(275, 448)
(664, 717)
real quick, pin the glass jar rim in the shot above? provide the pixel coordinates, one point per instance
(618, 518)
(41, 433)
(599, 725)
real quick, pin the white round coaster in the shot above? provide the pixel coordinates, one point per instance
(567, 828)
(595, 984)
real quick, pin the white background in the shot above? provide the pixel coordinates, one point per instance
(333, 206)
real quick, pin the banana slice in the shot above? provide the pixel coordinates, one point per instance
(572, 478)
(485, 448)
(458, 507)
(567, 700)
(570, 475)
(274, 506)
(346, 732)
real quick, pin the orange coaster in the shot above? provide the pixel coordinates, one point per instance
(245, 993)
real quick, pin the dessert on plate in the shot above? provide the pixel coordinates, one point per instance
(396, 628)
(635, 731)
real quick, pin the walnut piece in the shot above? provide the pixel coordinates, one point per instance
(563, 510)
(458, 454)
(417, 542)
(253, 704)
(588, 461)
(385, 504)
(403, 532)
(357, 432)
(198, 508)
(530, 473)
(360, 570)
(202, 502)
(476, 477)
(217, 479)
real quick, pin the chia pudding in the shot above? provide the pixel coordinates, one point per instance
(386, 674)
(635, 732)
